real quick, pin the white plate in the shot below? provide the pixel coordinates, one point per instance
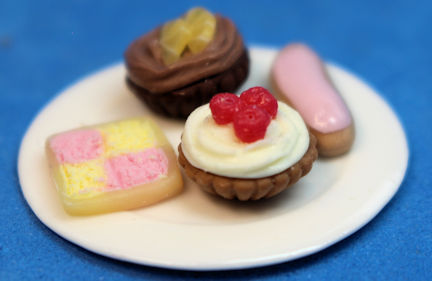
(198, 231)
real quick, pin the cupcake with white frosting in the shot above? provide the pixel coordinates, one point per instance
(248, 147)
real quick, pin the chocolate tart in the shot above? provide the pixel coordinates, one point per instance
(251, 189)
(180, 103)
(176, 90)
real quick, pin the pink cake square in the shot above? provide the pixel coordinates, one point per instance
(136, 168)
(77, 146)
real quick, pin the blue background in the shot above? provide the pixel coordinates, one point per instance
(46, 45)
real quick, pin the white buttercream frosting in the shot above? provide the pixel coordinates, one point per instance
(216, 149)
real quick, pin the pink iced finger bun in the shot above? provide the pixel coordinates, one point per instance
(299, 78)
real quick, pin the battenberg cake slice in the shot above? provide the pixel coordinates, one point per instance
(112, 167)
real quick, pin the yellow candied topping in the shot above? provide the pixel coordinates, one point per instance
(202, 25)
(175, 36)
(83, 180)
(127, 136)
(193, 33)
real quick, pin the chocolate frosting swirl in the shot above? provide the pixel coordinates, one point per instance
(147, 69)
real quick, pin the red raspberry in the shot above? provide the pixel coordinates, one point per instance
(261, 97)
(223, 107)
(250, 123)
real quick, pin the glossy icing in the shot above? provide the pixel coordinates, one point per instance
(299, 75)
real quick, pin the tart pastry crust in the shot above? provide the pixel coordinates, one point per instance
(251, 189)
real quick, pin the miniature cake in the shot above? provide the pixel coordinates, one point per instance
(299, 77)
(248, 147)
(180, 65)
(114, 166)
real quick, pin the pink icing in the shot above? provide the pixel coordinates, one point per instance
(77, 146)
(299, 75)
(136, 168)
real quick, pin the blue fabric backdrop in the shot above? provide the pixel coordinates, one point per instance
(46, 45)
